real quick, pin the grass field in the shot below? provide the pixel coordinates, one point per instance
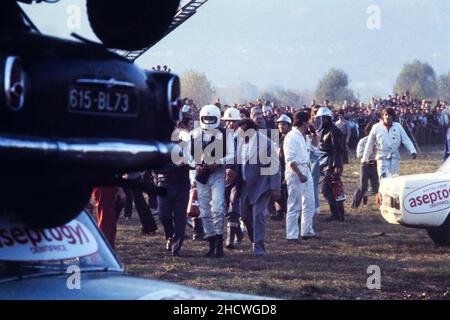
(332, 267)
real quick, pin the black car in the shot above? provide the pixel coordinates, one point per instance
(73, 114)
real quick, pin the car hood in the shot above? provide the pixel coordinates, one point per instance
(398, 183)
(108, 286)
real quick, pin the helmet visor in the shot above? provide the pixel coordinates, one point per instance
(318, 122)
(209, 119)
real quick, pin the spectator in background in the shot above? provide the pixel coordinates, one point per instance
(367, 171)
(232, 214)
(344, 126)
(315, 165)
(284, 126)
(257, 116)
(105, 200)
(447, 144)
(268, 116)
(174, 177)
(244, 113)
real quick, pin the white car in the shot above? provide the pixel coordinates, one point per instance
(419, 201)
(73, 262)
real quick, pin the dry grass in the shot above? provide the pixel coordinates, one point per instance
(332, 267)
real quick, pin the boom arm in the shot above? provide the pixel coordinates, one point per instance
(183, 14)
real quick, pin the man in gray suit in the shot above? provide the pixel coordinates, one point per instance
(259, 179)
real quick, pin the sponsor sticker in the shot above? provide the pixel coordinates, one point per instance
(429, 198)
(18, 242)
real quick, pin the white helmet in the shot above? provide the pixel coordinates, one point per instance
(318, 118)
(324, 111)
(231, 114)
(209, 117)
(284, 118)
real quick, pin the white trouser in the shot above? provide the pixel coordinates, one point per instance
(388, 167)
(300, 197)
(211, 202)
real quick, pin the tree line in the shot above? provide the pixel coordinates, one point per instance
(417, 78)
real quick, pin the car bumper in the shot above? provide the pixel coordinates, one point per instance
(106, 153)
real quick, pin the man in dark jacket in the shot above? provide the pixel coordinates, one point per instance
(331, 162)
(259, 180)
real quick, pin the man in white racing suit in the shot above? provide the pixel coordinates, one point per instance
(209, 151)
(297, 148)
(387, 136)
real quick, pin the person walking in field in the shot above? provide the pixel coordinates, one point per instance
(387, 136)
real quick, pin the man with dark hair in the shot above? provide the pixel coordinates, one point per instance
(257, 116)
(258, 180)
(297, 148)
(331, 163)
(387, 136)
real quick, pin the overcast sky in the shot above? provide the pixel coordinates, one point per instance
(293, 43)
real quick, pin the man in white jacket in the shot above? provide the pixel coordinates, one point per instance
(297, 147)
(387, 136)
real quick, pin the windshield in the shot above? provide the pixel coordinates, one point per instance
(29, 252)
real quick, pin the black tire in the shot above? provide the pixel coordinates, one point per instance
(51, 208)
(441, 235)
(131, 24)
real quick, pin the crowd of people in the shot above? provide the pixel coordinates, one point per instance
(221, 165)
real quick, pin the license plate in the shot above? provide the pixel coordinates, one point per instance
(102, 102)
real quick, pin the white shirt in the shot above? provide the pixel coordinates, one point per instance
(387, 142)
(245, 155)
(296, 148)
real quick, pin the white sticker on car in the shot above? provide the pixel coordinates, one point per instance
(429, 198)
(18, 242)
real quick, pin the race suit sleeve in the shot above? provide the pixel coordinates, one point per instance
(190, 150)
(360, 148)
(289, 150)
(407, 141)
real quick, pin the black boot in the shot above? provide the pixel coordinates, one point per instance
(218, 250)
(231, 234)
(334, 212)
(212, 246)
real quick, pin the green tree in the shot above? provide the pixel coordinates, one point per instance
(419, 79)
(444, 87)
(334, 87)
(195, 85)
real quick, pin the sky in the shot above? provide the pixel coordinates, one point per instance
(291, 43)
